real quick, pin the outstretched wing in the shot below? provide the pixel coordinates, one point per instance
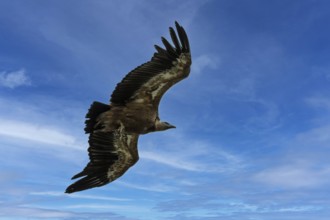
(111, 154)
(147, 83)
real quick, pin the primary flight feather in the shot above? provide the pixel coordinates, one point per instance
(114, 128)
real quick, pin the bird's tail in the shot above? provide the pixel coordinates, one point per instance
(94, 111)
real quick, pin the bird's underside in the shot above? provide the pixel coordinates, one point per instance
(114, 129)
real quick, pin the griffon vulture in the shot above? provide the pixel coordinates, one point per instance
(114, 128)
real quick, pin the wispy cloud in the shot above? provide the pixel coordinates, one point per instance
(303, 162)
(294, 176)
(78, 196)
(205, 62)
(27, 212)
(188, 159)
(152, 188)
(316, 138)
(14, 79)
(47, 213)
(37, 133)
(171, 161)
(99, 207)
(319, 102)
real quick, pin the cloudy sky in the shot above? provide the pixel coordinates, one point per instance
(253, 119)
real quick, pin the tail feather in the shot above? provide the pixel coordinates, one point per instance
(94, 111)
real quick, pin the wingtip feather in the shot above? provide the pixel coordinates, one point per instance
(87, 183)
(175, 40)
(183, 38)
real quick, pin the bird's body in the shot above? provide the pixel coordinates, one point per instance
(126, 116)
(133, 110)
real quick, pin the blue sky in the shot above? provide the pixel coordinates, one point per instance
(253, 119)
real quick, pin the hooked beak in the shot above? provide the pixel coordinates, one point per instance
(171, 126)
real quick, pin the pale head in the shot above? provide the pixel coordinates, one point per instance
(162, 126)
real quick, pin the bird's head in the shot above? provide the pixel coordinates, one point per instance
(162, 126)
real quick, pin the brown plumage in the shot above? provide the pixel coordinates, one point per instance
(114, 129)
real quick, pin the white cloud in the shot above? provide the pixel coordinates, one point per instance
(14, 79)
(304, 162)
(298, 209)
(100, 207)
(198, 157)
(151, 188)
(78, 196)
(294, 176)
(171, 161)
(32, 213)
(316, 139)
(318, 101)
(205, 61)
(37, 133)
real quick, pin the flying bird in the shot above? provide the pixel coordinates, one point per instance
(114, 128)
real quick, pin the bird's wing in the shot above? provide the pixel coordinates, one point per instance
(147, 83)
(110, 154)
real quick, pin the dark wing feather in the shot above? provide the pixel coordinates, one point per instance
(94, 111)
(111, 154)
(169, 49)
(175, 39)
(147, 78)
